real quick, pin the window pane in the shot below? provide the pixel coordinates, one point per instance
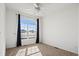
(23, 28)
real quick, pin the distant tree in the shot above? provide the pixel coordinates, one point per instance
(23, 30)
(31, 31)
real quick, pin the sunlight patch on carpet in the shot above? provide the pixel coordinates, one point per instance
(37, 54)
(21, 52)
(33, 51)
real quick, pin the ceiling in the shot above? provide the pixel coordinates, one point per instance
(45, 8)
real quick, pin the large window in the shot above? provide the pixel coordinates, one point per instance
(28, 28)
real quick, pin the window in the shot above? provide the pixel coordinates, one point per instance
(28, 28)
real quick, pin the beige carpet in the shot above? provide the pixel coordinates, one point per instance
(38, 50)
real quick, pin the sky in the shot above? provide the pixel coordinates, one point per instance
(31, 23)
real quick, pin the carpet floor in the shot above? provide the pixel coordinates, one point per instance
(38, 50)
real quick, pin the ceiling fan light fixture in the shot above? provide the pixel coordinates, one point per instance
(36, 5)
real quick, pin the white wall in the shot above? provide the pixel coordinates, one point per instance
(2, 29)
(60, 26)
(11, 28)
(78, 28)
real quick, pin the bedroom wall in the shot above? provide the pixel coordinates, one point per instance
(2, 29)
(78, 29)
(11, 28)
(60, 26)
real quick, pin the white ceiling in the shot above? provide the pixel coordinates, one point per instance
(45, 8)
(23, 7)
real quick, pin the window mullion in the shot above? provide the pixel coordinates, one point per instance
(27, 32)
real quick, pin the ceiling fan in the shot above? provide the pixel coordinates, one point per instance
(37, 6)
